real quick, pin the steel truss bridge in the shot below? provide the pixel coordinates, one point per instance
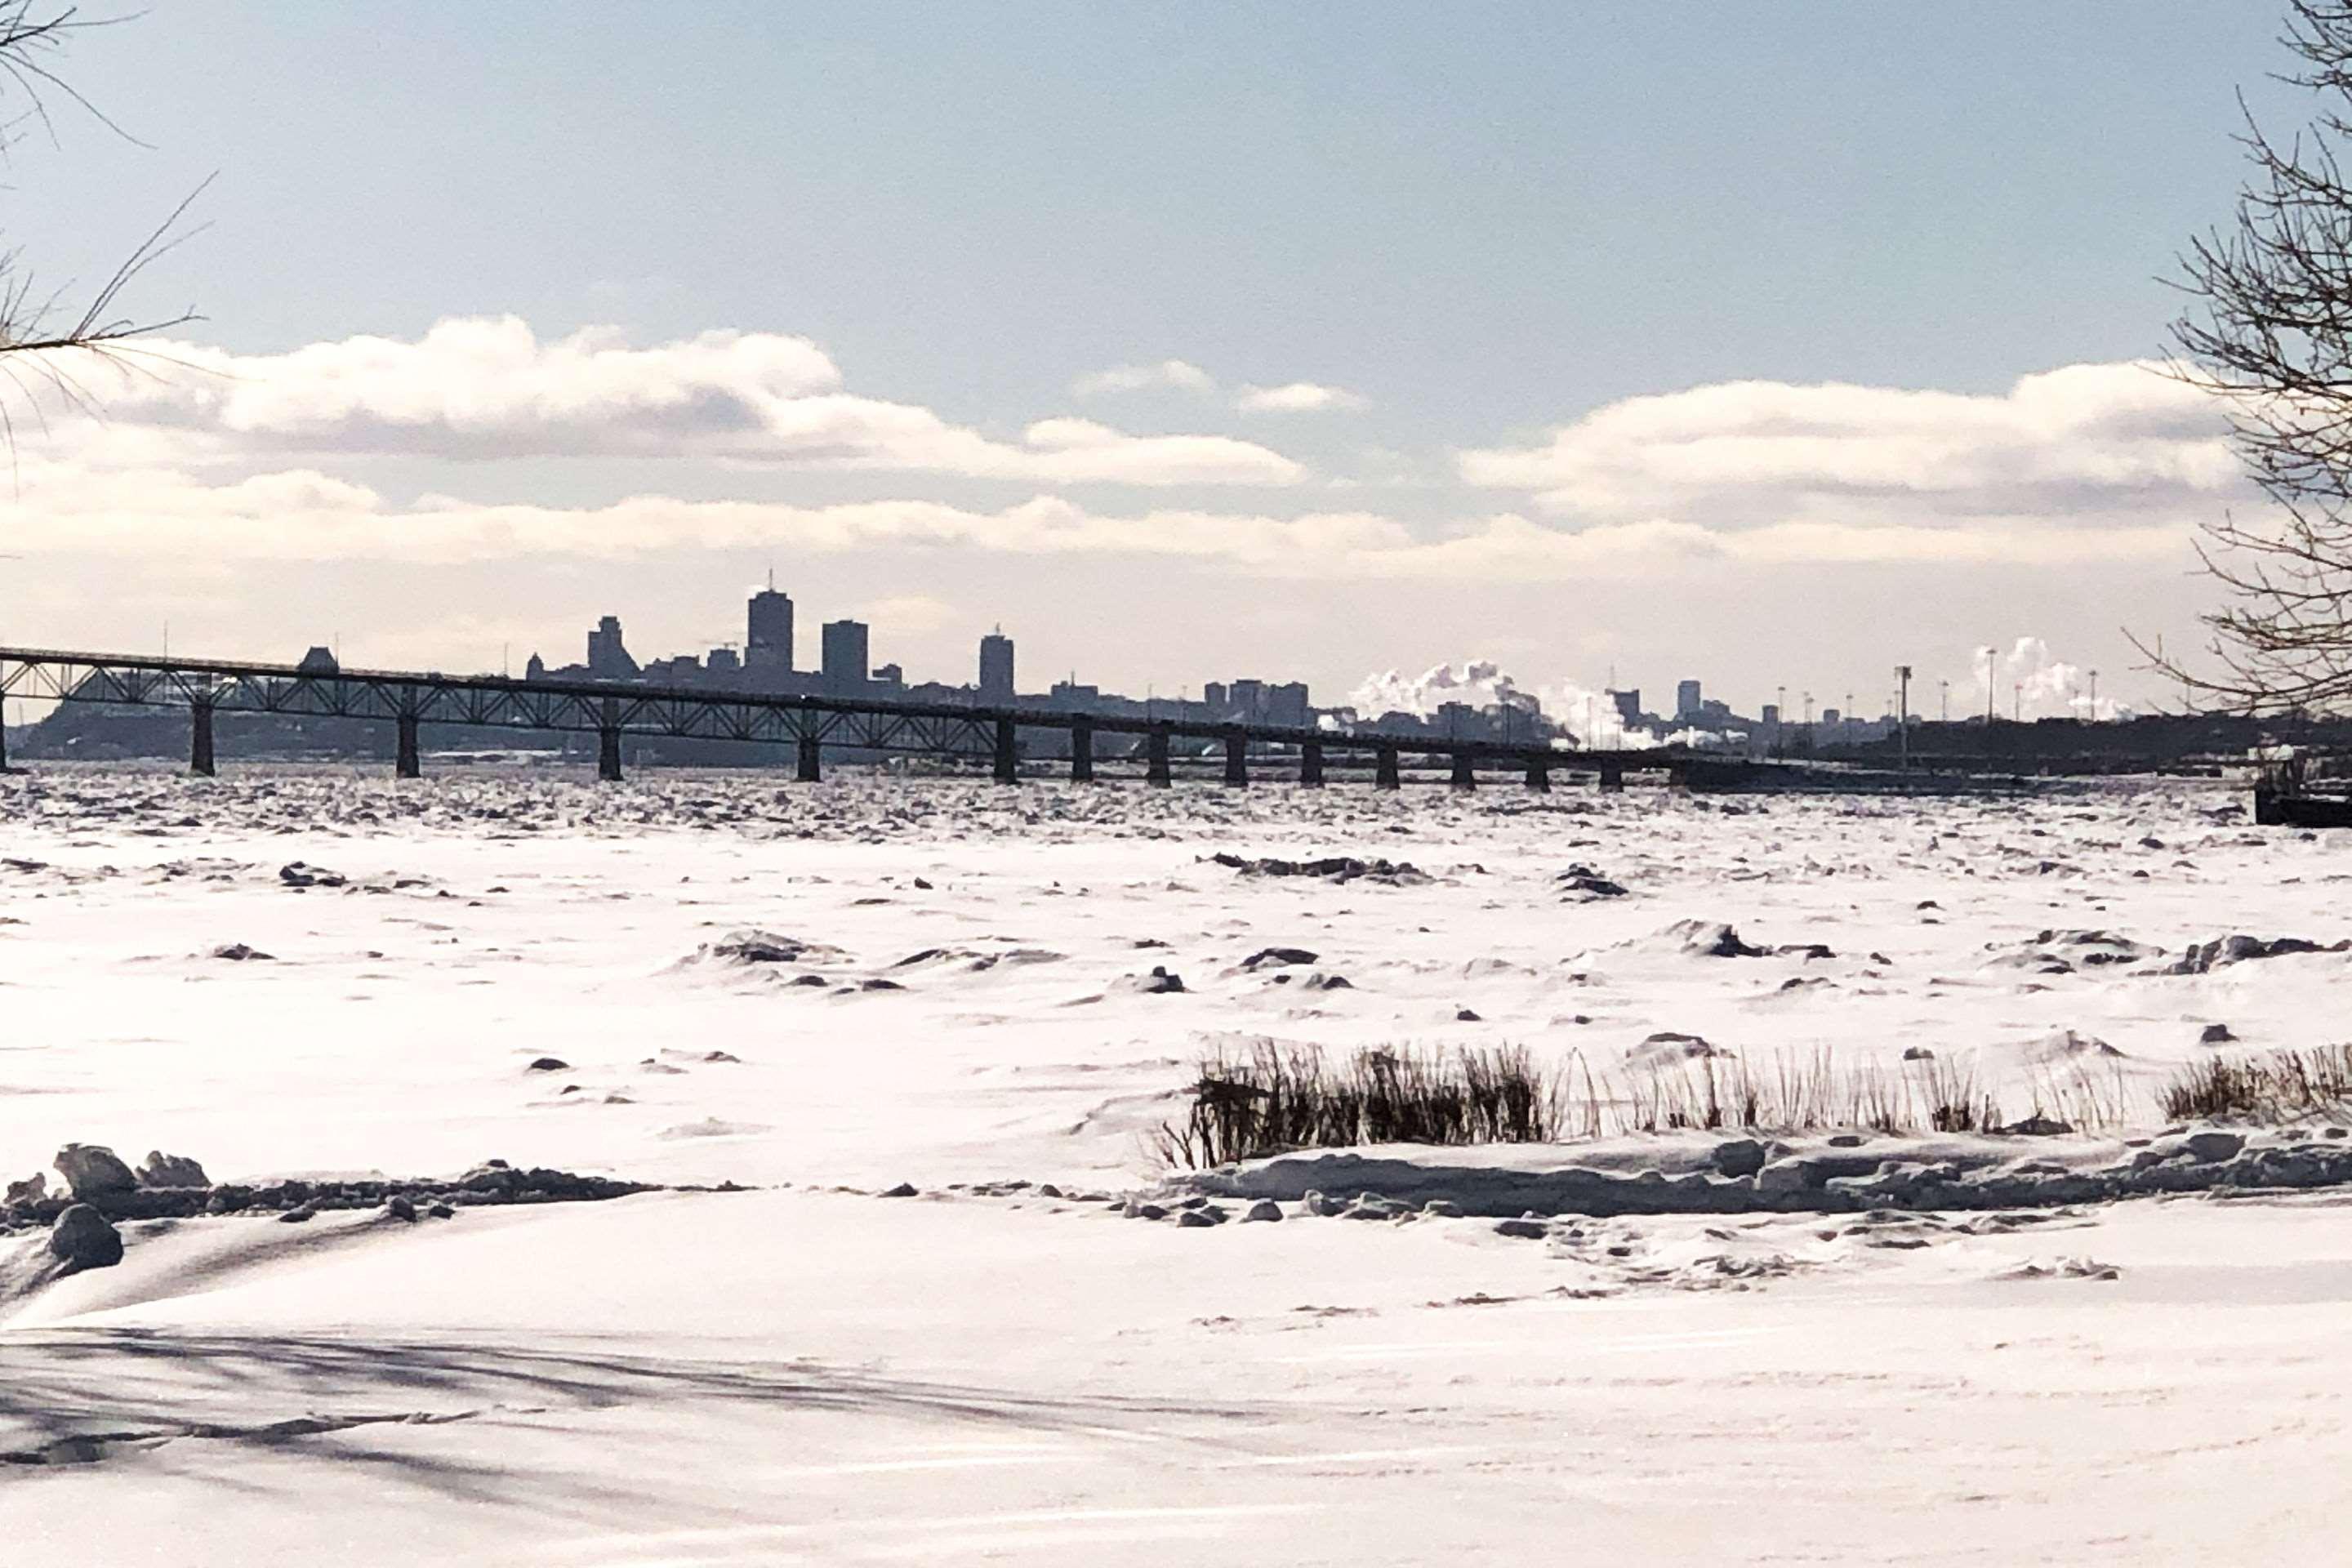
(810, 724)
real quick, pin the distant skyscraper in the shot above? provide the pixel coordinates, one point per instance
(607, 658)
(1287, 704)
(769, 646)
(844, 654)
(996, 667)
(1628, 705)
(1687, 701)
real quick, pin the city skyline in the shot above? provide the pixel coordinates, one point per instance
(767, 659)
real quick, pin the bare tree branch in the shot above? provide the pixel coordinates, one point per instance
(2269, 332)
(35, 324)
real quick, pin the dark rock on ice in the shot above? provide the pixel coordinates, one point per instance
(1330, 867)
(1667, 1048)
(549, 1064)
(758, 947)
(2209, 1148)
(903, 1190)
(2240, 949)
(1265, 1209)
(2215, 1034)
(92, 1170)
(1710, 938)
(162, 1170)
(84, 1238)
(1739, 1157)
(1584, 884)
(300, 875)
(237, 952)
(1275, 957)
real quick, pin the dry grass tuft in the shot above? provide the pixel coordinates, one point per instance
(2273, 1087)
(1276, 1097)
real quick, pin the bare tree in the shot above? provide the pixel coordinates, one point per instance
(2270, 334)
(41, 330)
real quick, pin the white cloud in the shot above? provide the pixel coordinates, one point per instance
(237, 458)
(304, 515)
(2083, 443)
(490, 388)
(1175, 372)
(1297, 397)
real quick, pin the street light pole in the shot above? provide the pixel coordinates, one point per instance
(1903, 712)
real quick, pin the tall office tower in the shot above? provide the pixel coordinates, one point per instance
(607, 658)
(844, 654)
(769, 645)
(1687, 701)
(996, 667)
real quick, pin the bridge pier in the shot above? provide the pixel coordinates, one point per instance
(812, 759)
(1082, 751)
(1466, 771)
(1007, 757)
(200, 739)
(1155, 751)
(1310, 765)
(1386, 771)
(408, 765)
(3, 737)
(608, 741)
(1612, 778)
(1237, 761)
(1539, 774)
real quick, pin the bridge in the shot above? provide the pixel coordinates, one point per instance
(614, 710)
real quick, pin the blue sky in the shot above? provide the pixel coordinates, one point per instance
(1482, 221)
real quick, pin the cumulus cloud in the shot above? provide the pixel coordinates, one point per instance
(306, 514)
(237, 455)
(490, 388)
(1297, 398)
(1175, 372)
(2084, 444)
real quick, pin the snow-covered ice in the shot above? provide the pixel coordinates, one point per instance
(821, 991)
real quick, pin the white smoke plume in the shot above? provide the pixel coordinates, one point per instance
(2029, 682)
(1588, 714)
(1480, 683)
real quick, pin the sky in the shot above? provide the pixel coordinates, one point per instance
(1629, 340)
